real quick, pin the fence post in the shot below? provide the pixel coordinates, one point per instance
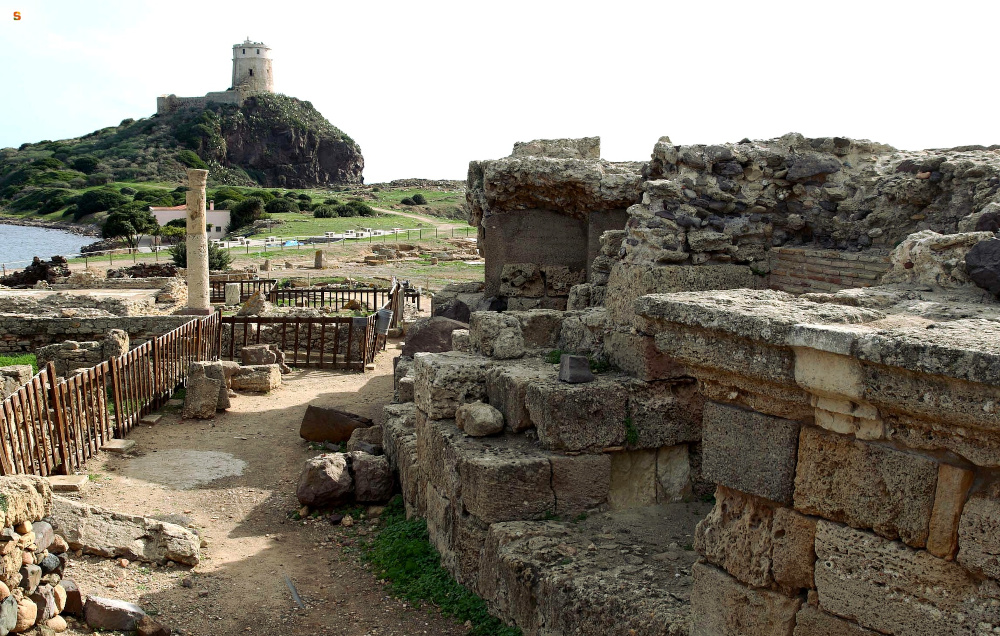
(197, 342)
(156, 370)
(119, 407)
(57, 408)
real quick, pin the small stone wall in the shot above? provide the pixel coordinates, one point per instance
(26, 334)
(801, 270)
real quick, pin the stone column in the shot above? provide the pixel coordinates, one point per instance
(197, 246)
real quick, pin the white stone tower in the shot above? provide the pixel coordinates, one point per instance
(252, 67)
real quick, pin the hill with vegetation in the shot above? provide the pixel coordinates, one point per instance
(271, 140)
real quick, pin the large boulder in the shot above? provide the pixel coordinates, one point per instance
(432, 335)
(983, 265)
(325, 481)
(111, 534)
(478, 419)
(372, 477)
(329, 424)
(27, 498)
(256, 305)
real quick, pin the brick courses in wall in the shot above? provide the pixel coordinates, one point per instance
(801, 270)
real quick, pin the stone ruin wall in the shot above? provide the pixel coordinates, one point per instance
(849, 437)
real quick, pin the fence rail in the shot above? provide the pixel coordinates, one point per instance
(52, 426)
(247, 288)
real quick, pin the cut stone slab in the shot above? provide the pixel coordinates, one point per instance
(257, 378)
(329, 424)
(68, 483)
(575, 369)
(576, 417)
(110, 614)
(722, 606)
(118, 446)
(431, 335)
(152, 419)
(111, 534)
(175, 403)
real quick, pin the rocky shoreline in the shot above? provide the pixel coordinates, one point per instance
(73, 228)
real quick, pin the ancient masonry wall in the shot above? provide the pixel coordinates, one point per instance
(26, 334)
(801, 270)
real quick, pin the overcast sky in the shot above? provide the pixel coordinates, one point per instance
(426, 86)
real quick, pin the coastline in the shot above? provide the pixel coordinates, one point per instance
(73, 228)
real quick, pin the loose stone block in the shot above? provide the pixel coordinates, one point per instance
(749, 451)
(431, 335)
(722, 606)
(68, 483)
(233, 294)
(443, 381)
(575, 369)
(979, 532)
(633, 479)
(110, 614)
(811, 621)
(330, 424)
(460, 340)
(257, 378)
(953, 485)
(118, 446)
(890, 588)
(478, 419)
(151, 420)
(580, 482)
(866, 485)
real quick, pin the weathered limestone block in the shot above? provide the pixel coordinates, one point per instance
(583, 333)
(665, 413)
(749, 451)
(478, 419)
(638, 356)
(264, 354)
(953, 485)
(823, 373)
(505, 487)
(233, 296)
(27, 497)
(115, 344)
(673, 474)
(559, 279)
(866, 485)
(522, 279)
(496, 335)
(929, 258)
(757, 542)
(257, 378)
(581, 148)
(201, 399)
(722, 606)
(443, 381)
(367, 439)
(578, 417)
(110, 614)
(112, 534)
(437, 457)
(813, 622)
(399, 441)
(330, 424)
(540, 327)
(580, 482)
(216, 371)
(460, 340)
(979, 532)
(579, 297)
(507, 387)
(887, 587)
(633, 479)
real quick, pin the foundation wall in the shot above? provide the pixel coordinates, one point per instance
(21, 334)
(802, 270)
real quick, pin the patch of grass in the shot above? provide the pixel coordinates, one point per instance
(402, 554)
(598, 365)
(552, 357)
(580, 517)
(27, 358)
(631, 432)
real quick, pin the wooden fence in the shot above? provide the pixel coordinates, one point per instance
(247, 288)
(51, 426)
(337, 297)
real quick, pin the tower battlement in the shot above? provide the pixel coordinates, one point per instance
(252, 74)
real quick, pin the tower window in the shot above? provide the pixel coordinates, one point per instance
(251, 72)
(244, 51)
(258, 51)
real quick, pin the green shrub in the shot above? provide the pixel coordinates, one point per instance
(345, 210)
(419, 199)
(279, 206)
(325, 212)
(181, 223)
(362, 208)
(85, 164)
(245, 213)
(191, 159)
(128, 191)
(408, 201)
(304, 197)
(48, 163)
(228, 193)
(100, 200)
(99, 178)
(290, 195)
(331, 201)
(218, 258)
(78, 183)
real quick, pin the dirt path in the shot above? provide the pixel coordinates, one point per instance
(239, 588)
(441, 226)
